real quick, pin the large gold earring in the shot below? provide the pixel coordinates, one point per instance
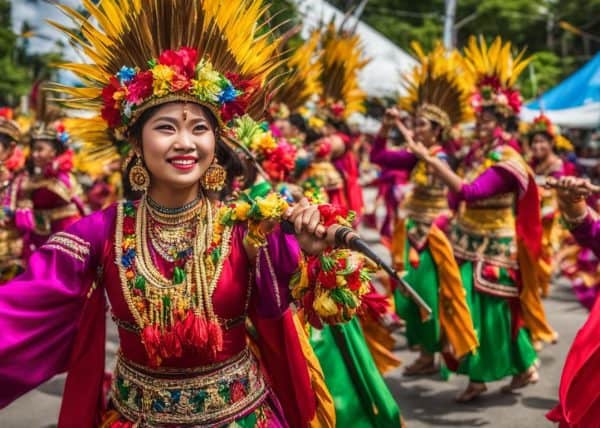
(214, 177)
(138, 176)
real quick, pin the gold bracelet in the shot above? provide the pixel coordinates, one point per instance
(571, 222)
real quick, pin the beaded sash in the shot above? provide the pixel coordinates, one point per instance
(202, 397)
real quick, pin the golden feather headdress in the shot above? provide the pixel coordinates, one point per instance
(494, 72)
(299, 80)
(341, 60)
(7, 124)
(49, 124)
(436, 88)
(216, 53)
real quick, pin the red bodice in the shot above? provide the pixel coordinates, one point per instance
(229, 300)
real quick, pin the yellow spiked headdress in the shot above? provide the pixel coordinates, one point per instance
(144, 53)
(494, 72)
(436, 88)
(300, 79)
(341, 60)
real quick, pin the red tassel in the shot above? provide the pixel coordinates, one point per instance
(198, 334)
(215, 334)
(183, 327)
(151, 339)
(170, 345)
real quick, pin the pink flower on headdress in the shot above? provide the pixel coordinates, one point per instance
(183, 61)
(514, 100)
(476, 102)
(140, 87)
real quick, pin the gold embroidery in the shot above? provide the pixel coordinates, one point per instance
(273, 277)
(54, 185)
(69, 244)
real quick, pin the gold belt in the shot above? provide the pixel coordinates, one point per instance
(499, 222)
(203, 397)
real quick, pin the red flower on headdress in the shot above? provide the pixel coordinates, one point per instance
(180, 82)
(140, 87)
(491, 81)
(183, 61)
(238, 107)
(110, 112)
(337, 109)
(59, 127)
(280, 161)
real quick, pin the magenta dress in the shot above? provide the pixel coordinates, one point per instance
(578, 393)
(52, 319)
(56, 204)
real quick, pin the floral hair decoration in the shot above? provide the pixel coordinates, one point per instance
(275, 156)
(54, 131)
(176, 74)
(494, 72)
(543, 124)
(220, 55)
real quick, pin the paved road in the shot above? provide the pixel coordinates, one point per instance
(425, 402)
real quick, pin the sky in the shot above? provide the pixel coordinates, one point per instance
(36, 12)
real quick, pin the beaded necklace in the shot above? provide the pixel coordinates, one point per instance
(178, 313)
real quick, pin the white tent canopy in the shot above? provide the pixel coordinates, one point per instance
(382, 76)
(587, 116)
(575, 102)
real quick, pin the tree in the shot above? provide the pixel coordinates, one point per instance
(532, 24)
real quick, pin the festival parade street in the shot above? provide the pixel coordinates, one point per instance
(299, 213)
(428, 401)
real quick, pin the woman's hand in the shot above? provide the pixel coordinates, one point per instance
(312, 236)
(571, 198)
(419, 150)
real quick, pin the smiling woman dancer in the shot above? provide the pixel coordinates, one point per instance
(181, 269)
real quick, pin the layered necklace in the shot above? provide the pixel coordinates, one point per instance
(172, 313)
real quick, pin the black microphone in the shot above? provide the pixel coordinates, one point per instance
(348, 238)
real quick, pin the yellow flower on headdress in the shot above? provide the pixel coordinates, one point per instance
(316, 122)
(263, 142)
(162, 75)
(119, 95)
(206, 84)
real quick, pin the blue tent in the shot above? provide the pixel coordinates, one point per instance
(574, 102)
